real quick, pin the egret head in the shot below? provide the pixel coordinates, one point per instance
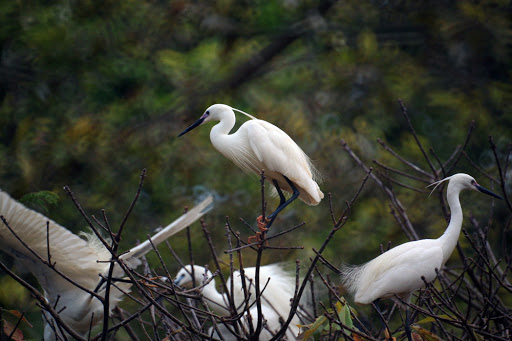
(213, 113)
(460, 181)
(184, 276)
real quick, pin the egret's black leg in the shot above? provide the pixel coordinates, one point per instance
(282, 199)
(282, 204)
(375, 305)
(102, 280)
(408, 324)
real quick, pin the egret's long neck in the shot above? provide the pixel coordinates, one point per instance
(221, 130)
(451, 235)
(217, 301)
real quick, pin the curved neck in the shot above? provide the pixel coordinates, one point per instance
(217, 301)
(226, 123)
(451, 235)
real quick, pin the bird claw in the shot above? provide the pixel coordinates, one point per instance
(260, 236)
(262, 223)
(254, 238)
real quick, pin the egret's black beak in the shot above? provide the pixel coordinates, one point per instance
(198, 122)
(486, 191)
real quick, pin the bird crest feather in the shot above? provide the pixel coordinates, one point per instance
(437, 183)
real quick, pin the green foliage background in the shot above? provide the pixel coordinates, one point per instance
(92, 92)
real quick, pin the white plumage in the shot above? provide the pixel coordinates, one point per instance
(395, 272)
(271, 318)
(258, 145)
(74, 257)
(275, 300)
(399, 270)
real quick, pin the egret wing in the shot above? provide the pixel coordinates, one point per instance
(132, 257)
(279, 155)
(277, 151)
(399, 272)
(70, 253)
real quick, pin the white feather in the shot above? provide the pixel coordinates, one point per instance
(279, 290)
(74, 257)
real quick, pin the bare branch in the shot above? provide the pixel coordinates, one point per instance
(411, 128)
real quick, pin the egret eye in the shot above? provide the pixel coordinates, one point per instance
(473, 182)
(207, 113)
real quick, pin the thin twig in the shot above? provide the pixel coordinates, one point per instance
(468, 136)
(411, 128)
(335, 228)
(502, 181)
(406, 162)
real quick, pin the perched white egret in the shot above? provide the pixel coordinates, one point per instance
(399, 270)
(74, 257)
(275, 300)
(258, 145)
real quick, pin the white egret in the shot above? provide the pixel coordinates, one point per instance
(258, 145)
(74, 257)
(275, 299)
(398, 271)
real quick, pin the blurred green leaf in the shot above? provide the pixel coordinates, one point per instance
(40, 201)
(311, 328)
(344, 315)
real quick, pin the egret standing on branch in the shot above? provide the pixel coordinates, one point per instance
(399, 271)
(75, 258)
(261, 146)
